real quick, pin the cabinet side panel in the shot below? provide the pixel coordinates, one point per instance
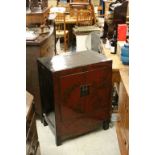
(32, 82)
(46, 89)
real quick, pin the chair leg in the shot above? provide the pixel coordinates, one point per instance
(66, 42)
(58, 48)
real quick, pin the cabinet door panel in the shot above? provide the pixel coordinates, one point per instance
(98, 102)
(71, 100)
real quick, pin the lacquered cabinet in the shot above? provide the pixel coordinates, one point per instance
(75, 93)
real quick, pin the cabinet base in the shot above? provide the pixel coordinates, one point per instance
(106, 124)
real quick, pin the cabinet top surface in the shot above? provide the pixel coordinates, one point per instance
(72, 60)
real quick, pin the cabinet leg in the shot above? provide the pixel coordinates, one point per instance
(106, 124)
(44, 121)
(58, 141)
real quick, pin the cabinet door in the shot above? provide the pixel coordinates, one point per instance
(71, 118)
(71, 102)
(84, 100)
(98, 103)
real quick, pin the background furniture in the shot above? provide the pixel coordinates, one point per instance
(84, 18)
(36, 3)
(84, 5)
(37, 15)
(43, 46)
(118, 16)
(80, 2)
(93, 42)
(31, 131)
(62, 1)
(82, 39)
(106, 8)
(76, 93)
(122, 127)
(61, 31)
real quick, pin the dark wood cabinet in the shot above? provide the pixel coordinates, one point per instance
(43, 46)
(75, 93)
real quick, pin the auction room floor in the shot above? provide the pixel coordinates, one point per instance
(101, 142)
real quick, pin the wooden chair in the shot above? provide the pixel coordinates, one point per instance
(61, 31)
(84, 18)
